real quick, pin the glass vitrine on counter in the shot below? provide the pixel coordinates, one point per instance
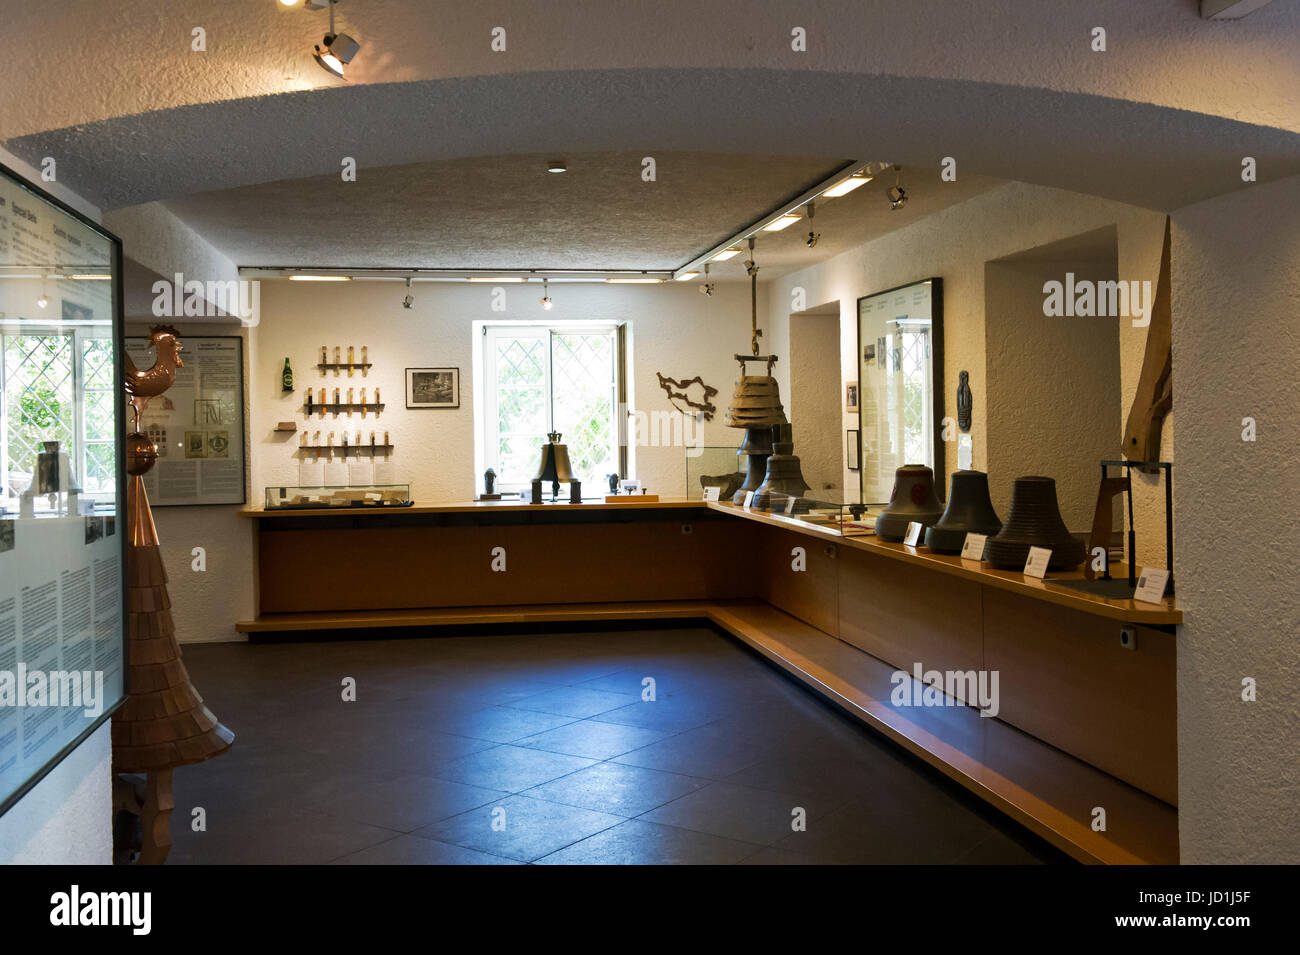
(284, 497)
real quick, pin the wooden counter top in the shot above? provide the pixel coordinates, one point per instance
(1129, 611)
(470, 507)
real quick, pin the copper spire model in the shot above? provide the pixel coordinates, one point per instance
(163, 723)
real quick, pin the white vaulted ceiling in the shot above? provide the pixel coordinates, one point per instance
(245, 139)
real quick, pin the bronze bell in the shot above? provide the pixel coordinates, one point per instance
(969, 510)
(784, 477)
(755, 403)
(555, 468)
(913, 499)
(757, 446)
(1035, 521)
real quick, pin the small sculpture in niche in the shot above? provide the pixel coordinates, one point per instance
(489, 481)
(680, 391)
(965, 400)
(613, 480)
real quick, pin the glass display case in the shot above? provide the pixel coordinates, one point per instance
(714, 467)
(61, 482)
(283, 497)
(847, 520)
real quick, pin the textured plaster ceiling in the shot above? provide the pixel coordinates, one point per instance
(509, 212)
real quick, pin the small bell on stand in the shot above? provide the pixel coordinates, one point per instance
(784, 479)
(555, 468)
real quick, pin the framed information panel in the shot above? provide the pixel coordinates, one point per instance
(900, 362)
(198, 425)
(62, 484)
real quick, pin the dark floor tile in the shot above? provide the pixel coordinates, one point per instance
(416, 850)
(866, 833)
(573, 701)
(511, 768)
(272, 836)
(696, 753)
(403, 804)
(736, 812)
(672, 715)
(504, 724)
(593, 740)
(636, 842)
(527, 829)
(614, 788)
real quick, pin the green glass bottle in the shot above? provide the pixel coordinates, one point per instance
(286, 378)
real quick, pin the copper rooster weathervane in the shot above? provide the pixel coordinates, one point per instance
(163, 723)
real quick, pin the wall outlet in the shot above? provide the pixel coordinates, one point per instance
(1128, 638)
(687, 529)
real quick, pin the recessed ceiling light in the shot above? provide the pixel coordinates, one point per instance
(556, 165)
(784, 222)
(320, 278)
(498, 279)
(288, 3)
(640, 280)
(90, 277)
(726, 254)
(687, 276)
(845, 186)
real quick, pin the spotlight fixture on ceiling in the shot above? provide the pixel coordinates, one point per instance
(409, 300)
(44, 300)
(546, 295)
(751, 267)
(556, 165)
(339, 48)
(706, 287)
(897, 194)
(812, 236)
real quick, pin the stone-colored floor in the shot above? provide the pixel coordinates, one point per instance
(539, 748)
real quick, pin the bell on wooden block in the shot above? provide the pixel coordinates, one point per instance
(969, 511)
(757, 446)
(913, 499)
(556, 469)
(784, 477)
(1035, 521)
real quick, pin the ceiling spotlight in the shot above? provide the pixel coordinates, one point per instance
(288, 3)
(556, 165)
(812, 236)
(897, 194)
(845, 186)
(726, 254)
(546, 295)
(339, 49)
(410, 299)
(43, 301)
(706, 287)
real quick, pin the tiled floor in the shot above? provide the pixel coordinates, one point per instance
(540, 748)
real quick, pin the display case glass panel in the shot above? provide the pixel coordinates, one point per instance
(282, 497)
(62, 530)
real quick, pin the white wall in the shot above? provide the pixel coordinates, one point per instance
(66, 818)
(1236, 298)
(955, 245)
(675, 330)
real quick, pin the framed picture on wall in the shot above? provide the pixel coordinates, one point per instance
(853, 449)
(433, 387)
(850, 397)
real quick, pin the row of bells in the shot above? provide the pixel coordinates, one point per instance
(1034, 521)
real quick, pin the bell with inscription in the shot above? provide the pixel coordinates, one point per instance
(969, 511)
(1035, 521)
(555, 468)
(913, 500)
(784, 481)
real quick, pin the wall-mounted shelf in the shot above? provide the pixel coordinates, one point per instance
(336, 408)
(348, 450)
(325, 366)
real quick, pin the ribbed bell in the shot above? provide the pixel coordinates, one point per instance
(913, 499)
(969, 511)
(757, 446)
(1035, 521)
(755, 403)
(784, 476)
